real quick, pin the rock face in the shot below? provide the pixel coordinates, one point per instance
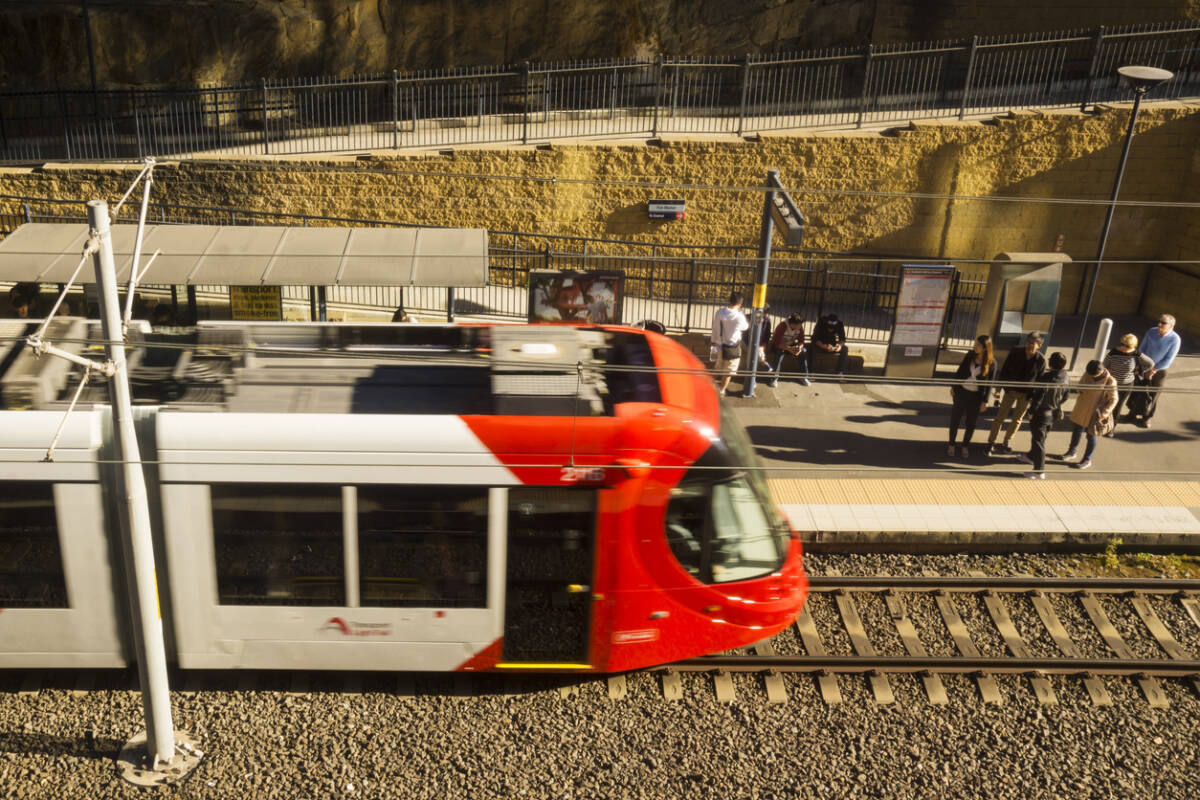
(153, 42)
(600, 192)
(186, 42)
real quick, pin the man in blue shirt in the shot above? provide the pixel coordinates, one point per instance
(1161, 344)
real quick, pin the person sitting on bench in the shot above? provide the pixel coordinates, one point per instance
(830, 336)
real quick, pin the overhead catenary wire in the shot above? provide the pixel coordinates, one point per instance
(679, 186)
(382, 355)
(823, 469)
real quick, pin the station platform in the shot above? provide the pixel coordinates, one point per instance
(861, 463)
(966, 514)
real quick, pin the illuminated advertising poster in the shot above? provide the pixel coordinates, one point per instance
(921, 305)
(593, 297)
(256, 303)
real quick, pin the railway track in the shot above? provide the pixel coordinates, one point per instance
(1099, 600)
(1095, 596)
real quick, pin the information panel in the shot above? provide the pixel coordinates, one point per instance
(920, 314)
(256, 303)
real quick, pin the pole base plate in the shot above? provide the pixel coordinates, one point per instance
(134, 762)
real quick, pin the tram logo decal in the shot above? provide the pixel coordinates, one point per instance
(357, 628)
(631, 637)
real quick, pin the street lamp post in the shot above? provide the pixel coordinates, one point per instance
(1141, 80)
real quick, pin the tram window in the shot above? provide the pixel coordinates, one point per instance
(31, 568)
(278, 545)
(423, 546)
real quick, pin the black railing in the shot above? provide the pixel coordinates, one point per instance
(535, 102)
(678, 285)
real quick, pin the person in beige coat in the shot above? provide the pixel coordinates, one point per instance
(1093, 412)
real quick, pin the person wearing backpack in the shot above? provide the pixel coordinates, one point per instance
(1126, 364)
(1045, 409)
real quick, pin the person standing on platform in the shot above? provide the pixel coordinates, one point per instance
(1045, 407)
(1092, 413)
(1126, 363)
(1161, 344)
(970, 394)
(727, 327)
(1022, 366)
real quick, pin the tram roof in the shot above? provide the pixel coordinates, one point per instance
(268, 255)
(522, 370)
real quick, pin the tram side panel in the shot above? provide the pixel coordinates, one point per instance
(59, 607)
(332, 541)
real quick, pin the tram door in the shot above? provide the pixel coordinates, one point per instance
(551, 546)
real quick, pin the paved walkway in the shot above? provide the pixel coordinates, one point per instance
(863, 461)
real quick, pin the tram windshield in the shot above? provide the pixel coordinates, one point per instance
(721, 523)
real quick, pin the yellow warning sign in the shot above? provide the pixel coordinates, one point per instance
(261, 303)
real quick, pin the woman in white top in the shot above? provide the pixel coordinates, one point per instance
(969, 395)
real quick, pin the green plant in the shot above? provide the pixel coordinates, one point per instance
(1111, 561)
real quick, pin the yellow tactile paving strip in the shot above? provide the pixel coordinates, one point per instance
(991, 492)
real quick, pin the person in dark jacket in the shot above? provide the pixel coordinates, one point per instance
(970, 394)
(830, 335)
(1045, 406)
(1023, 366)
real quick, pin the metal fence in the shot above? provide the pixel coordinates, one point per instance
(679, 286)
(844, 87)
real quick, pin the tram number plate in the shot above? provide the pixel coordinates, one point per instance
(582, 475)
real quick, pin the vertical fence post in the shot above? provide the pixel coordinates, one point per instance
(449, 304)
(525, 78)
(267, 145)
(962, 111)
(658, 70)
(612, 95)
(691, 295)
(28, 213)
(395, 110)
(546, 256)
(137, 123)
(868, 55)
(948, 325)
(62, 108)
(824, 285)
(745, 88)
(3, 130)
(1097, 49)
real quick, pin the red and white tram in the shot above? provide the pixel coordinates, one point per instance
(394, 497)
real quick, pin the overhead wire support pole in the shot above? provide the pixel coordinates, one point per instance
(1141, 79)
(760, 286)
(137, 545)
(134, 274)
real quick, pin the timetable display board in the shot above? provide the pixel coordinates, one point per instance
(256, 303)
(920, 316)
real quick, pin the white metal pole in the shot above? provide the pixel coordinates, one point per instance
(138, 546)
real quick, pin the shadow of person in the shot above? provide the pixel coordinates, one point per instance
(86, 746)
(922, 413)
(835, 447)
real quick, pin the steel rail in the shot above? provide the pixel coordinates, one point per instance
(942, 665)
(826, 584)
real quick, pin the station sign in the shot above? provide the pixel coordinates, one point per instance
(256, 303)
(667, 209)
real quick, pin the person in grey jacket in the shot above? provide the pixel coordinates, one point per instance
(1045, 406)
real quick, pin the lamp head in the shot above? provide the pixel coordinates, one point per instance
(1143, 79)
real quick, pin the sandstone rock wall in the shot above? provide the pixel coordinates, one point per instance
(142, 43)
(856, 189)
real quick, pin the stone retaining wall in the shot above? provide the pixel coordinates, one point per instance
(600, 190)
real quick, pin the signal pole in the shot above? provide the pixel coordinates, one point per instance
(160, 755)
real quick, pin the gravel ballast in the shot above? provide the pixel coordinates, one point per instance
(536, 743)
